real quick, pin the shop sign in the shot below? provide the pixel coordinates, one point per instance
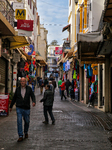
(26, 25)
(18, 6)
(20, 1)
(4, 105)
(58, 50)
(24, 33)
(16, 57)
(20, 14)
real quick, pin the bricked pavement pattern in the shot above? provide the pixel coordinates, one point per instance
(77, 128)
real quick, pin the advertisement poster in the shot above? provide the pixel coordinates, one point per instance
(4, 105)
(58, 50)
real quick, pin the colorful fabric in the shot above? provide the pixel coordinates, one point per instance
(74, 74)
(95, 69)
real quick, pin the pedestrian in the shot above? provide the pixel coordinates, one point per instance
(51, 78)
(54, 84)
(22, 99)
(63, 89)
(38, 78)
(48, 100)
(56, 75)
(67, 84)
(92, 99)
(41, 85)
(51, 86)
(45, 81)
(59, 83)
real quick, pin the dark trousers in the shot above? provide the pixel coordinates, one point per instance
(49, 110)
(67, 90)
(62, 94)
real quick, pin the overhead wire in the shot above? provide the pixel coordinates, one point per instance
(53, 5)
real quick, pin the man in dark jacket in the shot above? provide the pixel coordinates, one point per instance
(67, 84)
(48, 100)
(22, 99)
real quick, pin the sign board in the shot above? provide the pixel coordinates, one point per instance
(58, 50)
(26, 25)
(16, 57)
(4, 105)
(20, 1)
(24, 33)
(18, 6)
(20, 14)
(0, 46)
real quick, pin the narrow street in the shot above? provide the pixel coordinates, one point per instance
(77, 128)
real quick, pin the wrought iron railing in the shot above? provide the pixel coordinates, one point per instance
(7, 11)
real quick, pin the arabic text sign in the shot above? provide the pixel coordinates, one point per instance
(4, 104)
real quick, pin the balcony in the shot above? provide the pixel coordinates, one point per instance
(7, 11)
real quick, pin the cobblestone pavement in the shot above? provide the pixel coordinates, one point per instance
(77, 128)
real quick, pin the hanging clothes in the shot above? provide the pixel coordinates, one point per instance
(74, 74)
(95, 69)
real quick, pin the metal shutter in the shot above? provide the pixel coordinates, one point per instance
(2, 70)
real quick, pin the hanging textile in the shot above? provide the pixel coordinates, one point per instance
(95, 69)
(74, 74)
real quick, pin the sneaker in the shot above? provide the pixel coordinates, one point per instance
(26, 136)
(53, 122)
(45, 122)
(20, 139)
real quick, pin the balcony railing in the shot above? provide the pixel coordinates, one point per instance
(7, 11)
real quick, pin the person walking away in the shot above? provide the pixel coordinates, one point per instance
(41, 85)
(38, 78)
(48, 100)
(56, 75)
(67, 84)
(59, 83)
(51, 86)
(63, 89)
(22, 99)
(92, 99)
(45, 81)
(54, 84)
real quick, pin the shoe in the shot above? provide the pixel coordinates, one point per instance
(26, 136)
(45, 122)
(53, 122)
(20, 139)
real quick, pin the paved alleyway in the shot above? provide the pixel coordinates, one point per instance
(77, 128)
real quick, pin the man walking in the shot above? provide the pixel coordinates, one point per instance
(59, 83)
(22, 99)
(48, 100)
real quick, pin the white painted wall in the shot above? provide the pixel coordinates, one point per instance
(95, 14)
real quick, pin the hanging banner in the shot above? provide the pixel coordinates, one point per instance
(4, 105)
(26, 25)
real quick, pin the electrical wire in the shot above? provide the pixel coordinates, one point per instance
(53, 5)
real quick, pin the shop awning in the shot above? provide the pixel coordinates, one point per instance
(41, 61)
(88, 45)
(25, 54)
(24, 57)
(108, 11)
(5, 27)
(66, 27)
(18, 41)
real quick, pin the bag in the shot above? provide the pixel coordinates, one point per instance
(42, 84)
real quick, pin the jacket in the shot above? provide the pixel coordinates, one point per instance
(54, 83)
(48, 98)
(67, 84)
(62, 86)
(23, 102)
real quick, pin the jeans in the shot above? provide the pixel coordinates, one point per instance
(26, 116)
(49, 110)
(60, 91)
(62, 94)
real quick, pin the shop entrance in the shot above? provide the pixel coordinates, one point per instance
(111, 89)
